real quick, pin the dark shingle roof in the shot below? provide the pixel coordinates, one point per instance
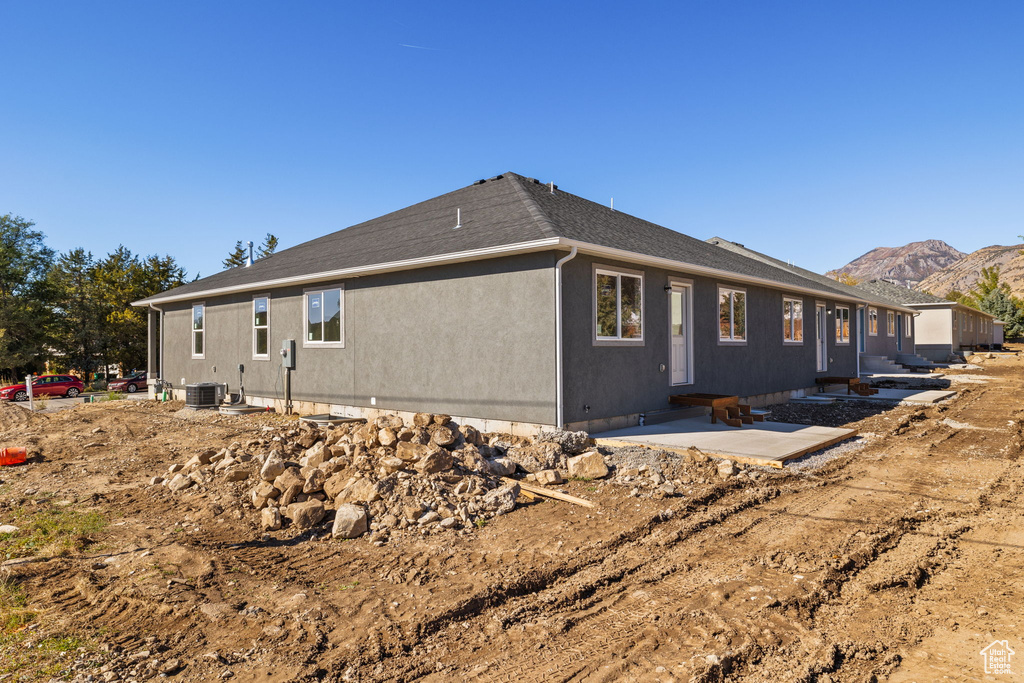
(905, 296)
(506, 210)
(851, 290)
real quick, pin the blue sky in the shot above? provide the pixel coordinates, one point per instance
(813, 131)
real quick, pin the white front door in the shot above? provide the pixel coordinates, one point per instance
(821, 325)
(679, 332)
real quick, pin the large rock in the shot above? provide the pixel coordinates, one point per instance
(263, 494)
(315, 455)
(387, 436)
(349, 522)
(180, 482)
(270, 519)
(572, 443)
(542, 456)
(546, 477)
(273, 468)
(422, 419)
(500, 467)
(471, 435)
(306, 515)
(237, 474)
(590, 465)
(439, 460)
(411, 452)
(336, 483)
(389, 421)
(359, 491)
(500, 500)
(290, 477)
(315, 481)
(442, 435)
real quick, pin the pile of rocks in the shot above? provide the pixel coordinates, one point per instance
(385, 475)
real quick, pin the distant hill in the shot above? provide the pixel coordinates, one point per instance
(962, 275)
(907, 265)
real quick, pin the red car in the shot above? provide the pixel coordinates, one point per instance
(44, 385)
(131, 383)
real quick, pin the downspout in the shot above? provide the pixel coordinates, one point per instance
(559, 366)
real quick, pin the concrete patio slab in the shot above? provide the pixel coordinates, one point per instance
(762, 443)
(895, 395)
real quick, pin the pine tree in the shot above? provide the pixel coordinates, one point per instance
(78, 316)
(268, 248)
(24, 296)
(237, 257)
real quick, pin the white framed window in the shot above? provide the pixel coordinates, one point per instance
(732, 315)
(890, 323)
(618, 306)
(907, 320)
(261, 327)
(199, 330)
(792, 321)
(842, 325)
(325, 317)
(873, 321)
(956, 321)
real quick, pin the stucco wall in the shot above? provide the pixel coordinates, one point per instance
(473, 339)
(884, 345)
(619, 380)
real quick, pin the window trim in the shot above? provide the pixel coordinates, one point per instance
(839, 340)
(787, 321)
(258, 356)
(731, 340)
(907, 319)
(192, 328)
(872, 309)
(890, 323)
(306, 343)
(617, 272)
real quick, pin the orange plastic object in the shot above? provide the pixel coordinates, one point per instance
(12, 456)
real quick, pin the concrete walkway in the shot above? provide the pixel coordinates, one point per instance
(894, 395)
(763, 443)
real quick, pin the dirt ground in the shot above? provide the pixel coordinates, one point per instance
(897, 560)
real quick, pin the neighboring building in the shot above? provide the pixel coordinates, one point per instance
(998, 333)
(883, 328)
(510, 302)
(943, 327)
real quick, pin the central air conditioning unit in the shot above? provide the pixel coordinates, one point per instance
(205, 394)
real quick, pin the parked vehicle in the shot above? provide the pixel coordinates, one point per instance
(44, 385)
(131, 383)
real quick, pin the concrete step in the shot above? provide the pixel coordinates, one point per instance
(913, 360)
(880, 365)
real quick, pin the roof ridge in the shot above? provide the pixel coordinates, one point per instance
(541, 218)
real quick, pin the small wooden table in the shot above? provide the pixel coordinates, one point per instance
(724, 407)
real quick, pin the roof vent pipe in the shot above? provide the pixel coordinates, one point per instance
(611, 204)
(458, 219)
(551, 187)
(248, 261)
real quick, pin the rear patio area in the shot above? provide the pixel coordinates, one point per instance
(763, 443)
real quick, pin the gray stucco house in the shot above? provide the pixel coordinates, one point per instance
(883, 326)
(943, 327)
(508, 303)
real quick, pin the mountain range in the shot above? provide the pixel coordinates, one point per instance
(936, 267)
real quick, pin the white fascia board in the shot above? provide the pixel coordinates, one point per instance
(409, 264)
(669, 264)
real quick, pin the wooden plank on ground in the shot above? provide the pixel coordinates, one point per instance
(547, 493)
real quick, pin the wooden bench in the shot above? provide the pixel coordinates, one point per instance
(853, 385)
(724, 407)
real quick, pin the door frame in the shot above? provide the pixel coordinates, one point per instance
(821, 334)
(899, 331)
(685, 287)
